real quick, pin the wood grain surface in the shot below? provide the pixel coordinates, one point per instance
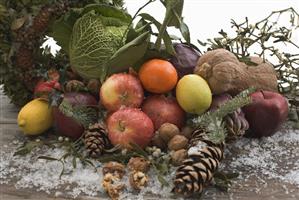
(253, 188)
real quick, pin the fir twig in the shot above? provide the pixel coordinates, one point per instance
(83, 114)
(212, 121)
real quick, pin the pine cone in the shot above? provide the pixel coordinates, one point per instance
(236, 125)
(96, 140)
(198, 169)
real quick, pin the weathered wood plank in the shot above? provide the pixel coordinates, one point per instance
(244, 189)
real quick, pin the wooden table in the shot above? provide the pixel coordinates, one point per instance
(242, 189)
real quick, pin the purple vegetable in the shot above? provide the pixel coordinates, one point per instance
(185, 59)
(219, 100)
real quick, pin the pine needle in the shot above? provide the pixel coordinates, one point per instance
(82, 114)
(212, 121)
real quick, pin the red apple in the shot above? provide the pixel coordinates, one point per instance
(67, 125)
(266, 113)
(130, 125)
(163, 109)
(121, 90)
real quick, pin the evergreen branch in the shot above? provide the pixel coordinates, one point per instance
(212, 121)
(82, 114)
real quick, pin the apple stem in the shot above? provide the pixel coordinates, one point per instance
(121, 126)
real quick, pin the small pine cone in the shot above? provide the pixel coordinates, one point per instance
(236, 125)
(96, 140)
(198, 169)
(24, 57)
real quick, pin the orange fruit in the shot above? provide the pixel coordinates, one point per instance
(158, 76)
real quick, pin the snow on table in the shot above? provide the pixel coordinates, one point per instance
(268, 168)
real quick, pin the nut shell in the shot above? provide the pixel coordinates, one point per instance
(158, 141)
(139, 164)
(167, 131)
(178, 157)
(138, 180)
(178, 142)
(114, 168)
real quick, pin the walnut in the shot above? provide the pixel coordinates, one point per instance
(178, 142)
(187, 132)
(138, 180)
(114, 168)
(112, 186)
(225, 73)
(168, 131)
(138, 164)
(178, 157)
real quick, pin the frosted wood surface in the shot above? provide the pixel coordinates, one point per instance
(252, 188)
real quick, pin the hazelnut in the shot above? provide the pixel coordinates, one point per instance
(178, 142)
(187, 132)
(138, 164)
(114, 168)
(168, 131)
(158, 141)
(178, 157)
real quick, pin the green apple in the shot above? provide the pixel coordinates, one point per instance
(193, 94)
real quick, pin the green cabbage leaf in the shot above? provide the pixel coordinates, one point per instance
(92, 43)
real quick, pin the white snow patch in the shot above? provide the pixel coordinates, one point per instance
(274, 157)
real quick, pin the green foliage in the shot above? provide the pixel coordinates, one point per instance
(92, 44)
(82, 114)
(172, 18)
(212, 121)
(62, 29)
(129, 54)
(224, 180)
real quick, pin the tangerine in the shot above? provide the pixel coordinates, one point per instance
(158, 76)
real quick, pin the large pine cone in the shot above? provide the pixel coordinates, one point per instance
(96, 140)
(198, 169)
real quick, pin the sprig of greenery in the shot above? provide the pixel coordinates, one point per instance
(83, 114)
(224, 180)
(212, 121)
(74, 150)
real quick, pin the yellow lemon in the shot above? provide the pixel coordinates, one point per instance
(193, 94)
(35, 117)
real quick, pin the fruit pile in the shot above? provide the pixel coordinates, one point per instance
(149, 105)
(149, 109)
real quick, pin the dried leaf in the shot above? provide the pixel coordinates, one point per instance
(18, 23)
